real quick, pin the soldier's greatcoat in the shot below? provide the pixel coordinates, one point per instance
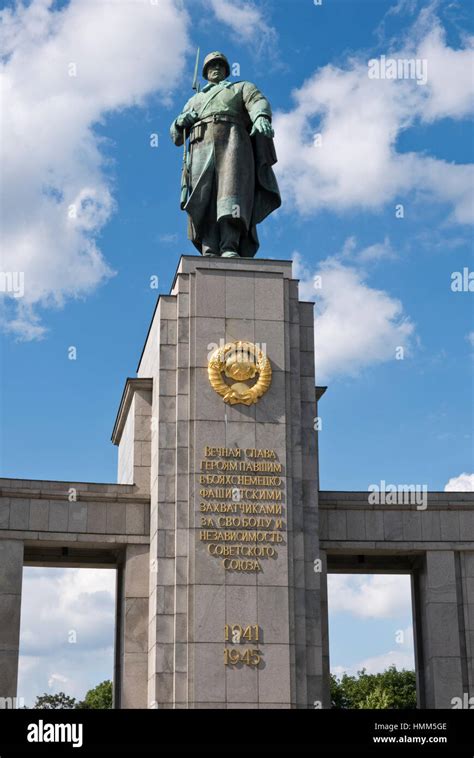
(228, 173)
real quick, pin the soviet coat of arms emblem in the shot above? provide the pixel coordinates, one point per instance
(239, 363)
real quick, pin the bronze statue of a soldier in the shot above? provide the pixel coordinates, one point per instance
(228, 184)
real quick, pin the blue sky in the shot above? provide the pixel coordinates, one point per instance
(85, 140)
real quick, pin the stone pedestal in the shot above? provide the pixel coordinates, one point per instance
(201, 591)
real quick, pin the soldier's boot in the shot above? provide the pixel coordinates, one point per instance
(207, 252)
(230, 231)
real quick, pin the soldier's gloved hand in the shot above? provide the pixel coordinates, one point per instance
(187, 119)
(263, 126)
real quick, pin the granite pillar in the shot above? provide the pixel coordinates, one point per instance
(132, 628)
(192, 595)
(441, 612)
(11, 573)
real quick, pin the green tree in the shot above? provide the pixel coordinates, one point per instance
(61, 700)
(388, 689)
(339, 696)
(98, 697)
(378, 698)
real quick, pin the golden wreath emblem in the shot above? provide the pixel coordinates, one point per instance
(239, 361)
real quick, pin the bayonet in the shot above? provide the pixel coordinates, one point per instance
(196, 88)
(196, 85)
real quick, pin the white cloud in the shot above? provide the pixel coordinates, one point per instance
(402, 659)
(67, 630)
(56, 680)
(246, 21)
(357, 165)
(450, 81)
(168, 238)
(370, 254)
(62, 72)
(369, 595)
(470, 338)
(462, 483)
(403, 6)
(355, 325)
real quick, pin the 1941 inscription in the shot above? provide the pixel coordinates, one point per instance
(241, 505)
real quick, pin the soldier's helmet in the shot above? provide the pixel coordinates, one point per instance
(215, 56)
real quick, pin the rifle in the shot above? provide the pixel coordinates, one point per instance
(196, 87)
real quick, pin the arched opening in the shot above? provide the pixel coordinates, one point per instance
(68, 626)
(371, 630)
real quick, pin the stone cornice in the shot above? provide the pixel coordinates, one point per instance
(131, 385)
(50, 490)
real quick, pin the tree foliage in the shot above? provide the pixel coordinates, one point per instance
(388, 689)
(60, 700)
(98, 697)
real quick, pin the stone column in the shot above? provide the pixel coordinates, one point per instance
(466, 576)
(193, 595)
(439, 631)
(132, 631)
(168, 593)
(11, 573)
(325, 688)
